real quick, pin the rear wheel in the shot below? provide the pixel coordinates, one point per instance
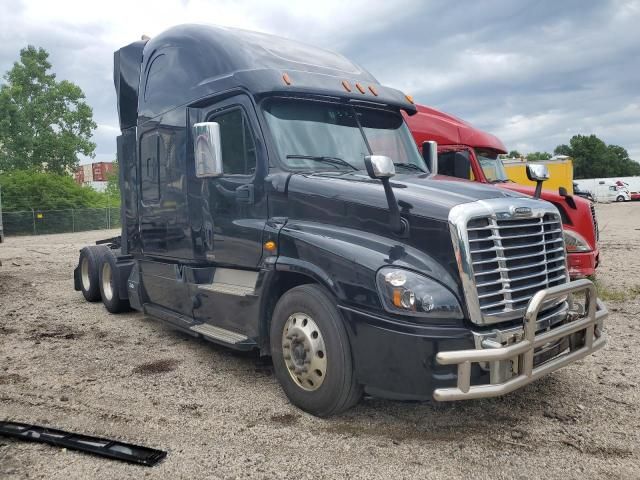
(311, 352)
(110, 285)
(89, 263)
(620, 198)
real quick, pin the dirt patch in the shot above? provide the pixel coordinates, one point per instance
(285, 419)
(11, 378)
(6, 330)
(62, 332)
(157, 366)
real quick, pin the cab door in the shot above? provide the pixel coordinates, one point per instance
(233, 206)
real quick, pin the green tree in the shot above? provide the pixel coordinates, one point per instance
(562, 150)
(514, 154)
(537, 156)
(26, 190)
(113, 185)
(593, 158)
(44, 123)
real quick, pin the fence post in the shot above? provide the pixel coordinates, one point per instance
(73, 221)
(33, 213)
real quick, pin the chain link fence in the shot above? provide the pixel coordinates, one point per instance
(39, 222)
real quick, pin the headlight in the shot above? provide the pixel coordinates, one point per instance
(408, 293)
(574, 242)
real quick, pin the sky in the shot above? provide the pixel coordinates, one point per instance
(534, 73)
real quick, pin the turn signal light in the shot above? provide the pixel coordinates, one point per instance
(270, 246)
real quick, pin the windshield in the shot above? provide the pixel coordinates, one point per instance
(321, 136)
(491, 165)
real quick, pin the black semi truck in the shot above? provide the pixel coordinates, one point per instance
(273, 199)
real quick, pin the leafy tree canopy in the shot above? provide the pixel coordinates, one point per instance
(44, 123)
(113, 185)
(26, 190)
(514, 154)
(593, 158)
(537, 156)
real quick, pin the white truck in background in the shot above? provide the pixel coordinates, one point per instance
(615, 189)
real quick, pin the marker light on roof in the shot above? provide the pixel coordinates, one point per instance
(360, 88)
(409, 98)
(373, 90)
(286, 79)
(346, 85)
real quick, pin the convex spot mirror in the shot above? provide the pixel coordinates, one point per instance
(206, 149)
(379, 166)
(537, 172)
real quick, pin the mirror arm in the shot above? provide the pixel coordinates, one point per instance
(395, 221)
(538, 191)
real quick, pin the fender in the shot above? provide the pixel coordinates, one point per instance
(346, 262)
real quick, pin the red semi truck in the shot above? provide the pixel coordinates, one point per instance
(469, 153)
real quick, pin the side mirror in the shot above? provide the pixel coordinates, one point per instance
(382, 168)
(538, 173)
(379, 166)
(430, 155)
(206, 149)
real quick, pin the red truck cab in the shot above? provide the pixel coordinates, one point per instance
(468, 153)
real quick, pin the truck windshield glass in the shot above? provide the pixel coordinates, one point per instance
(321, 136)
(491, 166)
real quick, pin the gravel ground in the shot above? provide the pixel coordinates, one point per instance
(69, 364)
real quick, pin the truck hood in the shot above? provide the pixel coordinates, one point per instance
(549, 195)
(429, 196)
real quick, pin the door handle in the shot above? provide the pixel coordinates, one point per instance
(245, 193)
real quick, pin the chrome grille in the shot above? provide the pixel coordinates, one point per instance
(512, 259)
(595, 221)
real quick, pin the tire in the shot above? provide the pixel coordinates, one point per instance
(320, 342)
(89, 264)
(110, 285)
(620, 198)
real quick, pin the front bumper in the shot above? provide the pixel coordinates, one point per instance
(584, 334)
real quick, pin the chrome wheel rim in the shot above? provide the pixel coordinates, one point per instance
(304, 351)
(84, 273)
(107, 291)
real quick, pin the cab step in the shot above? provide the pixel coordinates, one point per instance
(224, 336)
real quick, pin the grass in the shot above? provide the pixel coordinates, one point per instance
(614, 295)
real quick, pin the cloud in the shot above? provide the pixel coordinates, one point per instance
(533, 73)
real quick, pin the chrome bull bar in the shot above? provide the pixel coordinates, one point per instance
(522, 352)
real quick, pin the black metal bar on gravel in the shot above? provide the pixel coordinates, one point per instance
(85, 443)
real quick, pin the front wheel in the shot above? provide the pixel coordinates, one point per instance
(311, 352)
(620, 198)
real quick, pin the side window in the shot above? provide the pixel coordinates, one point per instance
(150, 167)
(454, 164)
(237, 143)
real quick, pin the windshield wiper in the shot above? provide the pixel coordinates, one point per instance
(410, 166)
(325, 159)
